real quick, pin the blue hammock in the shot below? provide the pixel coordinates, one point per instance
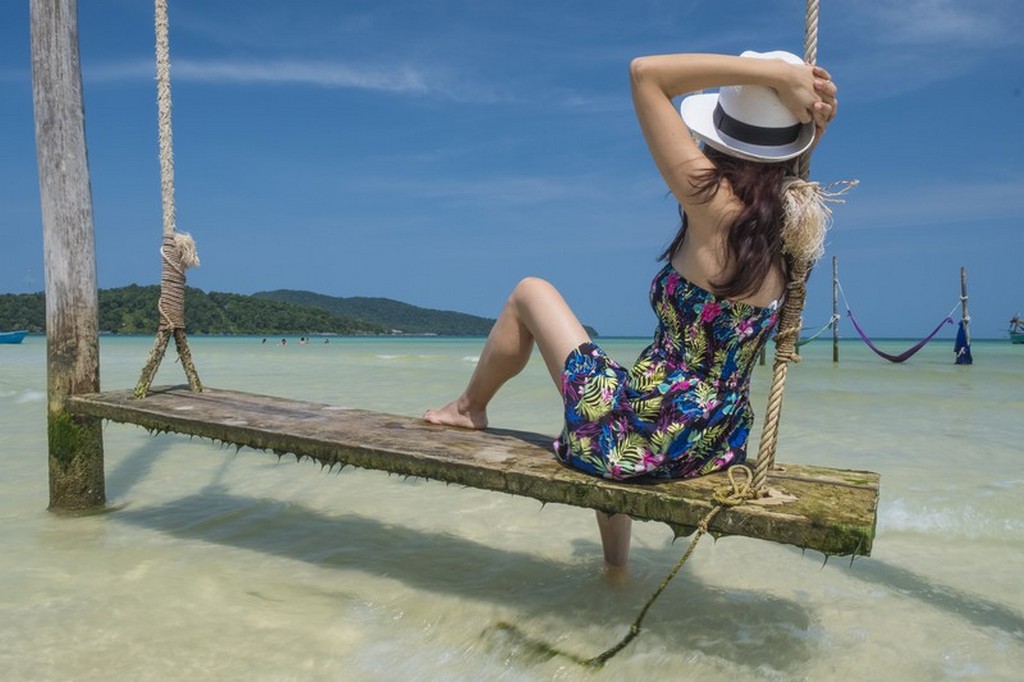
(962, 348)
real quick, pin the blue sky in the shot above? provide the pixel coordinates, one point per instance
(436, 152)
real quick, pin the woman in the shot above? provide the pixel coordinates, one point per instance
(683, 409)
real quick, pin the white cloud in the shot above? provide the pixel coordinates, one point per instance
(323, 74)
(400, 79)
(949, 24)
(933, 204)
(885, 49)
(504, 191)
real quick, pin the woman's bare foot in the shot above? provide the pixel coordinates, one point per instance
(616, 576)
(455, 414)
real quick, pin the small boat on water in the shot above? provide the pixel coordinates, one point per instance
(12, 337)
(1017, 329)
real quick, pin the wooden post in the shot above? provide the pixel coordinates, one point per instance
(963, 305)
(72, 319)
(835, 309)
(963, 352)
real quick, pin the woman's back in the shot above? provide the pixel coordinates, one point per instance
(703, 256)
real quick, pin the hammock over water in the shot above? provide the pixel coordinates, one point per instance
(818, 333)
(907, 354)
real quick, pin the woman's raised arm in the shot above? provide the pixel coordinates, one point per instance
(658, 79)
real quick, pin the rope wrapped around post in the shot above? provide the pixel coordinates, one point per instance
(177, 253)
(178, 250)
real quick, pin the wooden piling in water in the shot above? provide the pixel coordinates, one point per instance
(72, 317)
(835, 309)
(964, 315)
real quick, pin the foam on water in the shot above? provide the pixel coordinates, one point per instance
(956, 520)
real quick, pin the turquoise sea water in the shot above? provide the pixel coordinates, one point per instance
(219, 565)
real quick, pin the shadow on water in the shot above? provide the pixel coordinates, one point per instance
(736, 625)
(137, 466)
(695, 613)
(978, 610)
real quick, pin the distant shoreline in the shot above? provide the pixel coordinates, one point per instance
(329, 335)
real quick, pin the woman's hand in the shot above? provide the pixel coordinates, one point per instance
(808, 92)
(825, 109)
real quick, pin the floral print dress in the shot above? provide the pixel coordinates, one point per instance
(683, 409)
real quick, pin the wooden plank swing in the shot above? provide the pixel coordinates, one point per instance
(829, 510)
(832, 511)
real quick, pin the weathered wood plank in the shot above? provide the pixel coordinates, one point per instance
(834, 512)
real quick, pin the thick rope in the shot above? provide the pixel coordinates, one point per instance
(178, 251)
(785, 345)
(163, 98)
(790, 320)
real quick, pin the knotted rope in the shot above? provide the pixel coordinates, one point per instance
(178, 251)
(807, 219)
(803, 209)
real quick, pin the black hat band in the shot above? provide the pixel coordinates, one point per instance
(751, 134)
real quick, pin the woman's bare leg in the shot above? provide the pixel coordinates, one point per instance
(534, 313)
(615, 533)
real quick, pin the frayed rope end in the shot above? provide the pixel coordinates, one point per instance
(808, 215)
(185, 251)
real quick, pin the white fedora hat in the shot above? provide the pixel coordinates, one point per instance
(749, 121)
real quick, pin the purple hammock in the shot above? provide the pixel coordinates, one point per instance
(905, 354)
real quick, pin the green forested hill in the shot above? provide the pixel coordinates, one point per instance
(132, 310)
(390, 314)
(22, 311)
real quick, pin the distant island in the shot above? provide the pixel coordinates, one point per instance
(393, 316)
(132, 310)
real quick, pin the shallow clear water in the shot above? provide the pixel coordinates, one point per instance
(224, 565)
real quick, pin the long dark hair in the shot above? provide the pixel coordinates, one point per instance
(754, 242)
